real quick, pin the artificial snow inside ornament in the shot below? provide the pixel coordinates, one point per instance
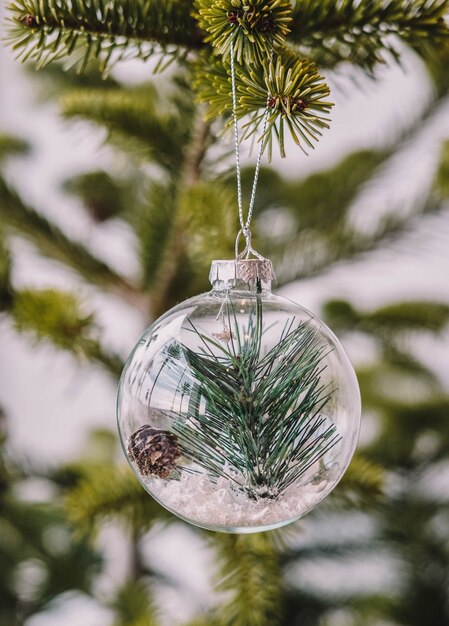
(239, 410)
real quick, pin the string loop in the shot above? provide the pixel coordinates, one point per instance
(245, 229)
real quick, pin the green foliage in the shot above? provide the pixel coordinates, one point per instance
(442, 175)
(334, 31)
(52, 242)
(106, 492)
(37, 537)
(394, 319)
(436, 65)
(296, 93)
(340, 315)
(81, 33)
(102, 196)
(424, 599)
(291, 88)
(5, 275)
(57, 316)
(12, 146)
(253, 27)
(317, 212)
(408, 316)
(130, 115)
(249, 572)
(427, 418)
(153, 223)
(51, 313)
(133, 605)
(40, 558)
(362, 485)
(208, 232)
(53, 79)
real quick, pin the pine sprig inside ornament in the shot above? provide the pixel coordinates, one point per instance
(242, 421)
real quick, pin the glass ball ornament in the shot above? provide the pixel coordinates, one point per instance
(239, 410)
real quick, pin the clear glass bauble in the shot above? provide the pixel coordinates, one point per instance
(238, 410)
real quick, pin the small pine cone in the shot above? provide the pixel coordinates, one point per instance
(154, 451)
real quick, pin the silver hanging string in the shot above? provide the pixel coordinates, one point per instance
(245, 230)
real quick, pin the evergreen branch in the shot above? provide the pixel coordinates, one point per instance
(12, 146)
(134, 605)
(320, 232)
(394, 449)
(362, 485)
(407, 317)
(253, 27)
(177, 277)
(359, 32)
(82, 32)
(131, 117)
(153, 224)
(392, 319)
(102, 197)
(207, 230)
(111, 493)
(25, 530)
(291, 88)
(53, 80)
(6, 290)
(442, 175)
(204, 621)
(52, 242)
(341, 549)
(56, 316)
(249, 572)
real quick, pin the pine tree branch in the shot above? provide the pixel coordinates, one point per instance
(407, 317)
(316, 209)
(332, 31)
(290, 87)
(249, 571)
(171, 282)
(198, 149)
(403, 422)
(307, 255)
(83, 32)
(134, 605)
(442, 175)
(6, 290)
(52, 242)
(56, 316)
(390, 320)
(362, 485)
(112, 493)
(320, 232)
(253, 27)
(12, 146)
(132, 117)
(102, 197)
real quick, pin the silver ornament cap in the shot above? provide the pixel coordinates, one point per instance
(228, 273)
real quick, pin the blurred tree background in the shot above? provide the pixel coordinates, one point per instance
(170, 188)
